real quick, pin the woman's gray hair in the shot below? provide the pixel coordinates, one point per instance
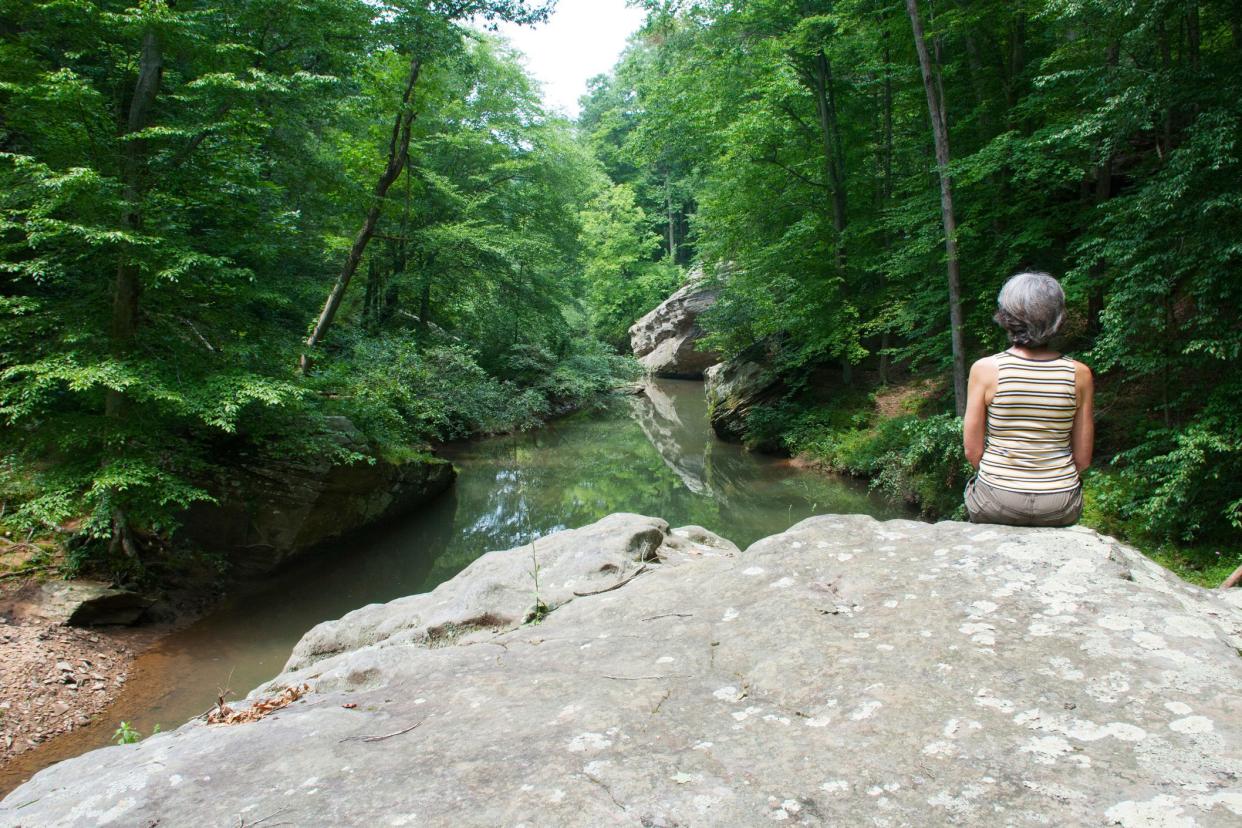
(1031, 308)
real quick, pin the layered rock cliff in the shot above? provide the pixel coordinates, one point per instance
(271, 509)
(844, 672)
(736, 387)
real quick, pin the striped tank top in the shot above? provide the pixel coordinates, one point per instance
(1027, 447)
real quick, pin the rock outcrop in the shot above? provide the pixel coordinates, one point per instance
(733, 389)
(272, 509)
(844, 672)
(666, 339)
(86, 603)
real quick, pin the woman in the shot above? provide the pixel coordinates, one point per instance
(1028, 429)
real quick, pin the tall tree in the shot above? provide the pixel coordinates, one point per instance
(940, 134)
(398, 153)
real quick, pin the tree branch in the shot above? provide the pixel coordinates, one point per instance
(794, 173)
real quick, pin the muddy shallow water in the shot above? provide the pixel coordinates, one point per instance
(653, 454)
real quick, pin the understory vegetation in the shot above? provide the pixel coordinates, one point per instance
(181, 184)
(861, 177)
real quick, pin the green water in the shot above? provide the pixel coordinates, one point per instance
(653, 454)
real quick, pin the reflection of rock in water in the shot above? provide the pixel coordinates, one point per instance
(682, 445)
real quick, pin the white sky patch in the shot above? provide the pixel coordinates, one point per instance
(582, 39)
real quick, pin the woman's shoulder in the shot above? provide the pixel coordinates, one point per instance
(984, 367)
(1081, 368)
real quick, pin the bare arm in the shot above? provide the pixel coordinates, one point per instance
(1082, 437)
(978, 395)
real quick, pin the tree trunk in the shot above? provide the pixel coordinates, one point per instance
(1017, 54)
(1095, 295)
(672, 226)
(1166, 62)
(127, 285)
(940, 134)
(830, 135)
(834, 165)
(886, 189)
(977, 73)
(398, 153)
(1103, 192)
(424, 304)
(1193, 36)
(371, 296)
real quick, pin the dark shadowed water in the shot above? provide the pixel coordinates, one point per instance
(653, 454)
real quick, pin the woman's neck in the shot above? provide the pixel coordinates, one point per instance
(1043, 352)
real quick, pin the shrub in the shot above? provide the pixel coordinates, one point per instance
(916, 459)
(929, 468)
(1179, 484)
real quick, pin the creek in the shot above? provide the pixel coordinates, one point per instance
(653, 454)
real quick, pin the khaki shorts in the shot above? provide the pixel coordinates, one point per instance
(988, 504)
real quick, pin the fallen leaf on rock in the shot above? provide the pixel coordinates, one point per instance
(223, 714)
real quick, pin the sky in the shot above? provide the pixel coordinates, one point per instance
(583, 38)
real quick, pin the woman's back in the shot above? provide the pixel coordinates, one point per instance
(1029, 422)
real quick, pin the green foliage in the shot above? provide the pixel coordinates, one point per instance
(1098, 141)
(1181, 484)
(1113, 505)
(539, 610)
(166, 235)
(623, 282)
(929, 467)
(918, 460)
(912, 457)
(399, 392)
(126, 735)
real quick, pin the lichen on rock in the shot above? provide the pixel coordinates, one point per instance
(846, 671)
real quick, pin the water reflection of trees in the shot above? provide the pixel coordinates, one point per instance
(652, 454)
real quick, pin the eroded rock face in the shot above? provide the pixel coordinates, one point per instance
(666, 339)
(733, 389)
(85, 603)
(496, 592)
(844, 672)
(273, 509)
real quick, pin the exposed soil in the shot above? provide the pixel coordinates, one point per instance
(55, 679)
(904, 398)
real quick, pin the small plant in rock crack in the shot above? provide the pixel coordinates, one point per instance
(126, 735)
(540, 610)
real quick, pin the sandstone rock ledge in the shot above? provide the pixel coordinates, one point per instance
(273, 509)
(845, 672)
(666, 339)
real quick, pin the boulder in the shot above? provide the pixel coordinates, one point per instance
(86, 603)
(666, 339)
(733, 390)
(272, 509)
(844, 672)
